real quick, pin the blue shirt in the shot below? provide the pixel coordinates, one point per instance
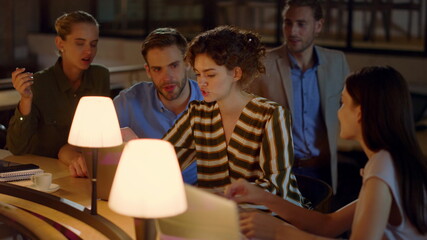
(307, 122)
(139, 108)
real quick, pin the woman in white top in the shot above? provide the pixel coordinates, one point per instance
(376, 111)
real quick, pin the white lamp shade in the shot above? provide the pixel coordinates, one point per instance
(148, 181)
(95, 124)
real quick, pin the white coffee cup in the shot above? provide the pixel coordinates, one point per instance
(42, 181)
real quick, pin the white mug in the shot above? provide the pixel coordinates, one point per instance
(42, 181)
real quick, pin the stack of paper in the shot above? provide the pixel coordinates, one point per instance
(11, 171)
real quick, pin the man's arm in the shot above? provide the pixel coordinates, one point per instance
(73, 157)
(128, 134)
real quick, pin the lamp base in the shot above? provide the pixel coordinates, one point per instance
(93, 209)
(145, 228)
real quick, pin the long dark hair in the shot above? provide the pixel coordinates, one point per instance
(387, 123)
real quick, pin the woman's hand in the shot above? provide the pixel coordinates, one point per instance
(242, 191)
(259, 225)
(22, 82)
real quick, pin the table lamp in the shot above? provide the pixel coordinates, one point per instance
(95, 125)
(148, 184)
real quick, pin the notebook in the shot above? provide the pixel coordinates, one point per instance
(208, 217)
(12, 171)
(108, 159)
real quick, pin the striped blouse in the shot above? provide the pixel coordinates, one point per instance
(260, 148)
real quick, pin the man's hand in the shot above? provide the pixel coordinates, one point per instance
(77, 166)
(74, 158)
(128, 134)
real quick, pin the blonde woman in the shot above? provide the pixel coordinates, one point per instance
(49, 98)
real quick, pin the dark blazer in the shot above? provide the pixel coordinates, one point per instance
(276, 85)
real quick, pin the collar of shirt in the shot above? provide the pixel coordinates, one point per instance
(158, 104)
(139, 107)
(307, 123)
(294, 63)
(62, 80)
(195, 94)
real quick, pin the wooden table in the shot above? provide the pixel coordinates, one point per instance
(77, 190)
(9, 99)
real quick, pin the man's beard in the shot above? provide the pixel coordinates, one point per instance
(174, 96)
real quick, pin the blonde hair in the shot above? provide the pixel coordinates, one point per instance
(64, 23)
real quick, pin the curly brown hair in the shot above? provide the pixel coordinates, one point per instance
(230, 47)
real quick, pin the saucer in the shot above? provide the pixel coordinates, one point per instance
(53, 187)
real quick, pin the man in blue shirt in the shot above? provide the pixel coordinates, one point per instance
(307, 79)
(149, 109)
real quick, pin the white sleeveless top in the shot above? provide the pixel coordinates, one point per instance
(381, 166)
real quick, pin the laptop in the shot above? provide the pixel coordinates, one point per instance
(108, 160)
(208, 217)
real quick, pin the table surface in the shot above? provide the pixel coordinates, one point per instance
(9, 99)
(77, 190)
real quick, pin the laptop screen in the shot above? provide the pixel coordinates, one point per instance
(208, 217)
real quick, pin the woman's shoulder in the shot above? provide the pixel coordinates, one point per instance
(264, 103)
(45, 72)
(44, 78)
(381, 159)
(380, 165)
(264, 109)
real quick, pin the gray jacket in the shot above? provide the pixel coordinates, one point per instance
(276, 85)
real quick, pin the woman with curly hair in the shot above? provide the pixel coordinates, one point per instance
(233, 134)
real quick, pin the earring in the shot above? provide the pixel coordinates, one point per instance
(62, 50)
